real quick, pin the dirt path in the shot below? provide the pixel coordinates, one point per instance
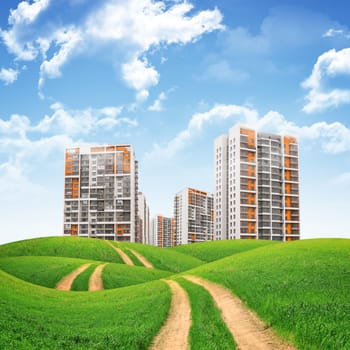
(66, 282)
(174, 333)
(142, 259)
(124, 256)
(95, 281)
(249, 332)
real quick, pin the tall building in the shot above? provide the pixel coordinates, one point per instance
(256, 186)
(194, 216)
(143, 220)
(163, 231)
(100, 194)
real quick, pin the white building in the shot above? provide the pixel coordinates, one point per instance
(194, 216)
(256, 186)
(100, 195)
(143, 220)
(163, 231)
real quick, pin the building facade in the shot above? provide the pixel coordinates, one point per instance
(163, 231)
(194, 216)
(256, 186)
(100, 194)
(143, 235)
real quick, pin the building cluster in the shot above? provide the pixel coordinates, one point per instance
(256, 194)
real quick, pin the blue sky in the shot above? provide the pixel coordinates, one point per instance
(169, 77)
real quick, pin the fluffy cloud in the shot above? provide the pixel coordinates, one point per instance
(329, 65)
(8, 76)
(332, 32)
(157, 104)
(334, 137)
(133, 27)
(139, 75)
(20, 19)
(67, 40)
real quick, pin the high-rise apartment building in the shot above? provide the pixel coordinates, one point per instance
(163, 231)
(143, 219)
(256, 186)
(100, 194)
(194, 216)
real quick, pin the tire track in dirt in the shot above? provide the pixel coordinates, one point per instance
(174, 333)
(66, 282)
(95, 281)
(142, 259)
(249, 332)
(123, 256)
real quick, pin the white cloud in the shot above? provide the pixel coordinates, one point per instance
(334, 137)
(132, 27)
(26, 12)
(67, 39)
(218, 113)
(8, 76)
(329, 65)
(81, 122)
(332, 32)
(20, 19)
(157, 105)
(139, 75)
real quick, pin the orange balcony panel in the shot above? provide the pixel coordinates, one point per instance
(110, 148)
(287, 162)
(121, 148)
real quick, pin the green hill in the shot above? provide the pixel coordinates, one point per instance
(300, 288)
(34, 317)
(45, 271)
(214, 250)
(164, 259)
(70, 247)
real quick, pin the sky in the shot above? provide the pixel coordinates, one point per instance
(169, 77)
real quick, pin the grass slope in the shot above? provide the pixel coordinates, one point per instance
(33, 317)
(208, 330)
(116, 275)
(215, 250)
(81, 282)
(300, 288)
(163, 259)
(45, 271)
(71, 247)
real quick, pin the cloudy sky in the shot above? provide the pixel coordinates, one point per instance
(169, 77)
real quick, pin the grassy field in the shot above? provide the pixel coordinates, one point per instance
(45, 271)
(81, 282)
(116, 275)
(300, 288)
(164, 259)
(34, 317)
(207, 325)
(215, 250)
(133, 258)
(71, 247)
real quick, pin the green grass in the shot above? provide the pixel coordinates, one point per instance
(208, 330)
(300, 288)
(46, 271)
(133, 258)
(117, 275)
(33, 317)
(164, 259)
(81, 282)
(71, 247)
(215, 250)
